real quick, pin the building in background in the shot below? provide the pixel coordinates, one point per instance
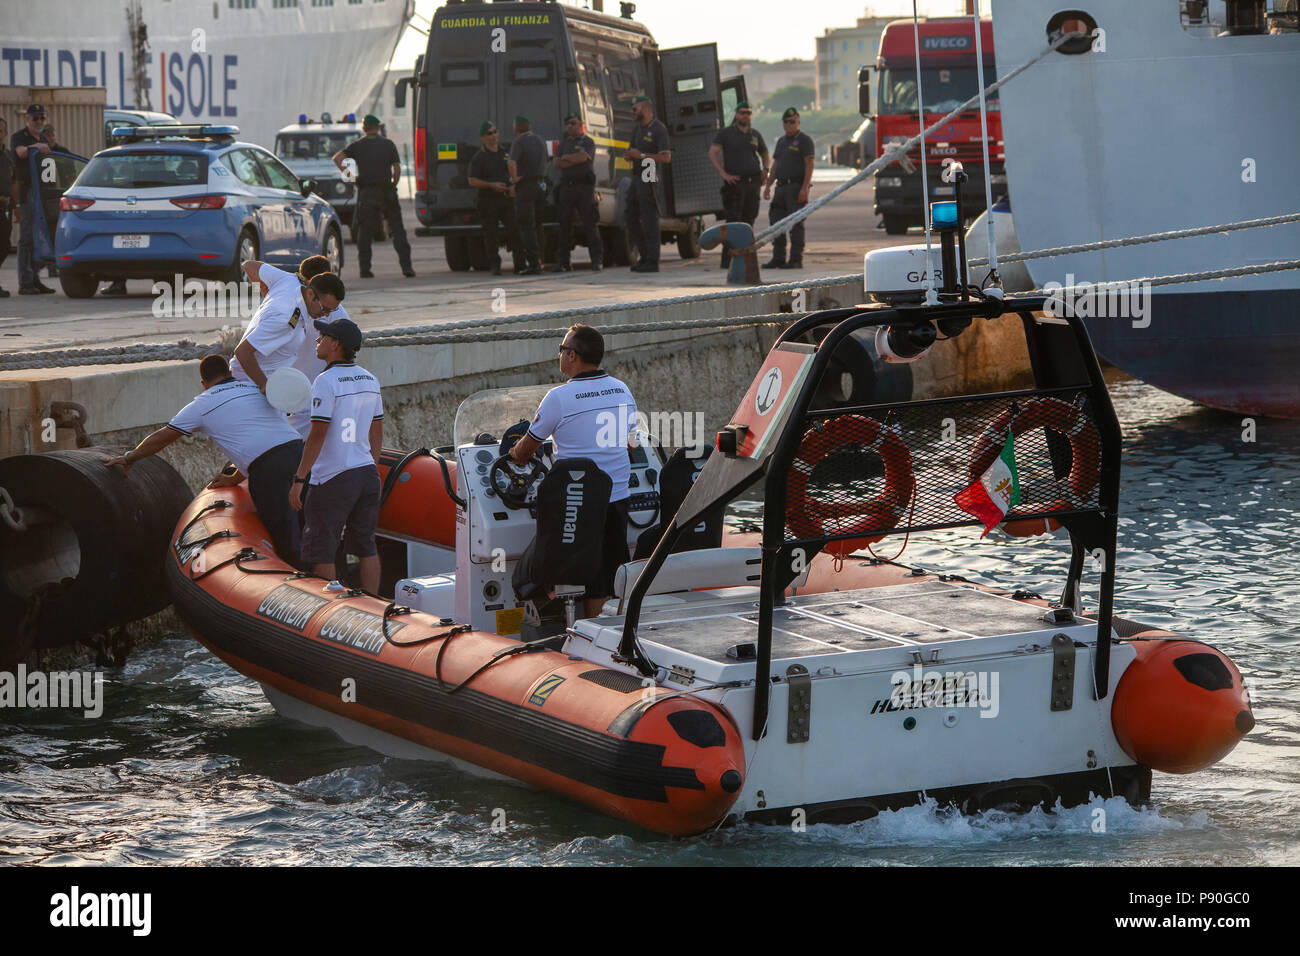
(762, 78)
(841, 51)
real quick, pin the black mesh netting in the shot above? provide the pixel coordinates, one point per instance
(898, 469)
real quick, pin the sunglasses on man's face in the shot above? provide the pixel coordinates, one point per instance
(568, 348)
(490, 132)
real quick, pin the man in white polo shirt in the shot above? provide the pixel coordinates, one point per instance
(589, 416)
(253, 435)
(341, 457)
(278, 331)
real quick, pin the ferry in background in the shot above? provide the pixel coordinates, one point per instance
(1181, 115)
(208, 61)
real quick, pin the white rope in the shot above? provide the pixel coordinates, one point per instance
(1279, 266)
(1139, 240)
(898, 151)
(984, 133)
(927, 281)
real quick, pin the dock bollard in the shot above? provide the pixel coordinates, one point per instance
(739, 237)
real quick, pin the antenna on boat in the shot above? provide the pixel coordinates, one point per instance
(995, 288)
(931, 296)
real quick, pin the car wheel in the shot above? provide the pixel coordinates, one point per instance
(78, 286)
(245, 249)
(333, 250)
(457, 250)
(895, 225)
(688, 240)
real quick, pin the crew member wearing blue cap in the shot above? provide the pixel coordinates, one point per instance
(792, 171)
(528, 173)
(576, 192)
(341, 459)
(30, 137)
(379, 170)
(649, 140)
(740, 156)
(489, 173)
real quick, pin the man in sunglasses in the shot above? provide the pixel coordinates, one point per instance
(30, 137)
(576, 192)
(740, 156)
(489, 173)
(275, 335)
(792, 171)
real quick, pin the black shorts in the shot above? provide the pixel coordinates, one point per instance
(349, 500)
(614, 547)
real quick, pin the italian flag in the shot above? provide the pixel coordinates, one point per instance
(996, 491)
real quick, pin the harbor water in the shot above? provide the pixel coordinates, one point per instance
(189, 764)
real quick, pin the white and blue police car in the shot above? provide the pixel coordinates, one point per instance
(190, 200)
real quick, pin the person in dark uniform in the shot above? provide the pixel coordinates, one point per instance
(792, 172)
(740, 156)
(489, 173)
(6, 188)
(528, 173)
(649, 141)
(22, 142)
(379, 170)
(576, 192)
(51, 193)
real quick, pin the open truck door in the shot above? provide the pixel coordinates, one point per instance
(691, 95)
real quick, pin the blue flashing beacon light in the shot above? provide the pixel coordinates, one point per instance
(943, 215)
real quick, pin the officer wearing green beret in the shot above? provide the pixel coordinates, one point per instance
(379, 170)
(576, 192)
(489, 173)
(792, 171)
(528, 173)
(740, 156)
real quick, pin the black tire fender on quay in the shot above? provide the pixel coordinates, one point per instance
(93, 548)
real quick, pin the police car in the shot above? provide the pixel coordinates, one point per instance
(189, 200)
(308, 146)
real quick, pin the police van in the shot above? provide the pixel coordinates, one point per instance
(308, 146)
(493, 61)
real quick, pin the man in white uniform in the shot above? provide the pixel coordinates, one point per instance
(278, 330)
(341, 458)
(257, 438)
(590, 416)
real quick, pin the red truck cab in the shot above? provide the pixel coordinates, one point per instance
(948, 78)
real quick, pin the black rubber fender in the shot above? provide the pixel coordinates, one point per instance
(95, 545)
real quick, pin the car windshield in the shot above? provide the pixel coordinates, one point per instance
(311, 145)
(145, 169)
(494, 410)
(945, 88)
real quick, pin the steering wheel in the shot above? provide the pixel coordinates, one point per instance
(511, 484)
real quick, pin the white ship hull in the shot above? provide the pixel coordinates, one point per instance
(255, 68)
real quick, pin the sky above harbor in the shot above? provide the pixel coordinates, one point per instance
(743, 29)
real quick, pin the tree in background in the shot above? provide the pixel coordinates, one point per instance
(800, 97)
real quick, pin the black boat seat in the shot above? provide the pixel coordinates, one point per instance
(566, 549)
(675, 481)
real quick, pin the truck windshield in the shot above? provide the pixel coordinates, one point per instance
(311, 145)
(945, 88)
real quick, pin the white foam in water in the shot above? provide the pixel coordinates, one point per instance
(929, 824)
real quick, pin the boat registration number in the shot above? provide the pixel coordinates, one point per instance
(131, 241)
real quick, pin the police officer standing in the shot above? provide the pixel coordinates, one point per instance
(740, 156)
(649, 141)
(489, 173)
(528, 173)
(6, 187)
(23, 142)
(576, 192)
(792, 171)
(379, 170)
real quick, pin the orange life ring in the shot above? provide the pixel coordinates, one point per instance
(807, 517)
(1085, 449)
